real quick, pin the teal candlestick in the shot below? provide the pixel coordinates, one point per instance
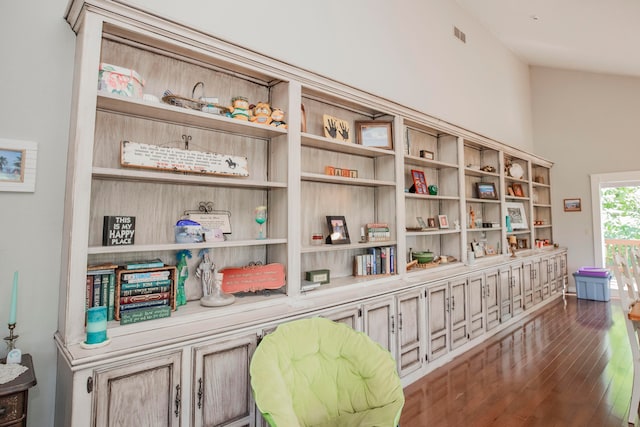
(14, 299)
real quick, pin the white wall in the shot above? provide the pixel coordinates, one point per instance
(401, 50)
(37, 61)
(586, 123)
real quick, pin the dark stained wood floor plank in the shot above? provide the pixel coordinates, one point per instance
(567, 365)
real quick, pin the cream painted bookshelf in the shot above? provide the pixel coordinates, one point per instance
(204, 350)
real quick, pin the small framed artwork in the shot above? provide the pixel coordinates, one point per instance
(18, 165)
(444, 221)
(510, 191)
(335, 128)
(486, 190)
(431, 222)
(421, 222)
(419, 182)
(572, 205)
(517, 215)
(489, 250)
(338, 233)
(478, 249)
(374, 134)
(517, 190)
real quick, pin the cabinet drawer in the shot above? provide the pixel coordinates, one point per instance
(11, 408)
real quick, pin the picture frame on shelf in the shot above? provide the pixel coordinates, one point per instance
(443, 221)
(478, 249)
(419, 182)
(431, 222)
(336, 128)
(374, 134)
(510, 191)
(486, 190)
(517, 215)
(421, 222)
(572, 205)
(518, 191)
(338, 232)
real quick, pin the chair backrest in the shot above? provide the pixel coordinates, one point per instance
(316, 372)
(634, 256)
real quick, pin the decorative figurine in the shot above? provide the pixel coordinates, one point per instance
(211, 283)
(472, 218)
(277, 118)
(239, 108)
(183, 274)
(261, 113)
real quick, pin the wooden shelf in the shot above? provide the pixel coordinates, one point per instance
(180, 246)
(323, 143)
(316, 177)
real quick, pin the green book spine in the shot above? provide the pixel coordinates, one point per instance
(145, 291)
(112, 296)
(125, 286)
(143, 314)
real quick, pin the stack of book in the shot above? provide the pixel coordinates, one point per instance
(378, 232)
(101, 283)
(377, 261)
(144, 294)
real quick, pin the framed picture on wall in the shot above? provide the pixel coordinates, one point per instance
(572, 205)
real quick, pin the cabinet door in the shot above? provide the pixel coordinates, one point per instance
(410, 332)
(459, 310)
(506, 306)
(527, 285)
(379, 322)
(517, 294)
(437, 321)
(221, 392)
(492, 292)
(537, 282)
(350, 316)
(544, 277)
(477, 305)
(144, 392)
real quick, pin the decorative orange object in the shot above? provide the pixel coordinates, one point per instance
(253, 278)
(261, 114)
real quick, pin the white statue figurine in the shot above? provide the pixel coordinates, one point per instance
(212, 295)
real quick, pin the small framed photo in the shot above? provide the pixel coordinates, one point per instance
(478, 249)
(517, 215)
(419, 182)
(444, 221)
(421, 222)
(517, 190)
(510, 191)
(338, 233)
(572, 205)
(486, 190)
(431, 222)
(374, 134)
(489, 250)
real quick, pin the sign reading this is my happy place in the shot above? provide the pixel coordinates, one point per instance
(135, 154)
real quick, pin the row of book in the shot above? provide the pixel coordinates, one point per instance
(378, 232)
(133, 292)
(379, 260)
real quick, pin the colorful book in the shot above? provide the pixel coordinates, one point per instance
(134, 305)
(97, 291)
(145, 291)
(111, 296)
(143, 298)
(146, 276)
(104, 290)
(149, 263)
(129, 286)
(143, 314)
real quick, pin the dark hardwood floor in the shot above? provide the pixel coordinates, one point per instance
(568, 365)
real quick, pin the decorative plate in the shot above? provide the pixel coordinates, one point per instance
(516, 171)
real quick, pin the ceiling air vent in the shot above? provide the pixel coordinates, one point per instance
(459, 34)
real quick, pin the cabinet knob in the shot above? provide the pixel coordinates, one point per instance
(177, 401)
(200, 393)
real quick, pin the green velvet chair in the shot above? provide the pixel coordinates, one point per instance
(319, 373)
